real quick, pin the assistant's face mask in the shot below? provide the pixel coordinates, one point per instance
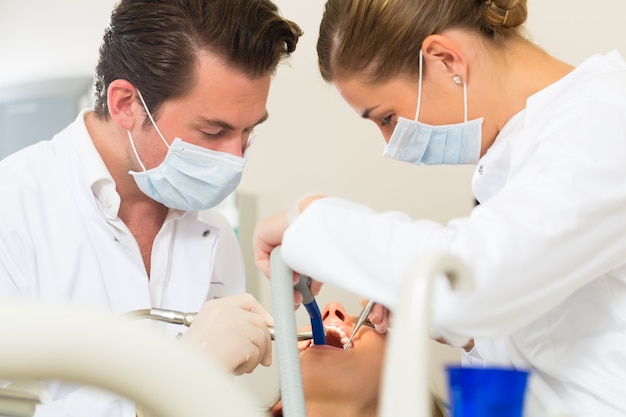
(190, 177)
(419, 143)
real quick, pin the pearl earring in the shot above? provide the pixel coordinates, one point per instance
(457, 79)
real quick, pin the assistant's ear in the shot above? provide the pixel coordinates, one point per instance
(121, 97)
(446, 55)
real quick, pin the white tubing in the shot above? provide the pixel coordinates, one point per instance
(290, 374)
(43, 341)
(405, 376)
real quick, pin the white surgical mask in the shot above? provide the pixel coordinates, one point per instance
(190, 177)
(419, 143)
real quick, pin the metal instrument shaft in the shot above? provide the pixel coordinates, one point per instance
(362, 317)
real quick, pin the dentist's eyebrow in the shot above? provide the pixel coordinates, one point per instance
(228, 126)
(366, 112)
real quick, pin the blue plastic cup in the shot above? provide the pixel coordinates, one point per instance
(486, 392)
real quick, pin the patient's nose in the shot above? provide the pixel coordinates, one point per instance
(335, 310)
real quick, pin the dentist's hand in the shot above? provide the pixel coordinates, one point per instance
(234, 330)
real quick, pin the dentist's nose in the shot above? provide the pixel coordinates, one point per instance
(234, 145)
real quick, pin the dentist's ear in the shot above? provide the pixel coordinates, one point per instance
(445, 56)
(122, 103)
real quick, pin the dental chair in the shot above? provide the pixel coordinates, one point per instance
(42, 341)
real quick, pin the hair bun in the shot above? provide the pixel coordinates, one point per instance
(503, 15)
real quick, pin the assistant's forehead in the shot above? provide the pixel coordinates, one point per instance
(361, 95)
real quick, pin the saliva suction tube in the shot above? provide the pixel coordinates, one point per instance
(290, 374)
(317, 325)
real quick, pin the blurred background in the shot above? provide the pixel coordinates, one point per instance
(312, 141)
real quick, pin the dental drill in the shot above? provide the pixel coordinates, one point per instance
(185, 319)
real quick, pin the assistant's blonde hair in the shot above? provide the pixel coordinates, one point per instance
(380, 39)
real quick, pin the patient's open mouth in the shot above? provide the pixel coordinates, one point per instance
(336, 336)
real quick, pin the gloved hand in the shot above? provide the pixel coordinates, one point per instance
(268, 234)
(379, 317)
(234, 330)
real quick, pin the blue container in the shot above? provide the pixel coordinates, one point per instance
(486, 392)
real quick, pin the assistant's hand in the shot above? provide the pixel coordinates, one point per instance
(269, 232)
(379, 317)
(234, 330)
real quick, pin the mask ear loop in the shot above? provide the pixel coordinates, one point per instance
(419, 87)
(151, 119)
(132, 144)
(464, 101)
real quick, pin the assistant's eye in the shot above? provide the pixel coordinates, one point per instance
(386, 121)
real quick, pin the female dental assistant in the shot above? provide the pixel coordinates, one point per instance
(547, 244)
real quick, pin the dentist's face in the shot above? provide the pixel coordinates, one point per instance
(218, 113)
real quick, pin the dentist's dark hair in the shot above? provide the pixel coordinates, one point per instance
(381, 39)
(154, 44)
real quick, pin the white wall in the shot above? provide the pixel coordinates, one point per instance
(312, 140)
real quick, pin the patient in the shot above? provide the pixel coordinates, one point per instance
(341, 382)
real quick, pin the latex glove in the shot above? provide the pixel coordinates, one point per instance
(234, 330)
(269, 232)
(267, 235)
(379, 317)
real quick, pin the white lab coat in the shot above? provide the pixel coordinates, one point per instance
(62, 241)
(546, 246)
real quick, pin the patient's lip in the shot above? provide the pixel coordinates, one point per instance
(326, 347)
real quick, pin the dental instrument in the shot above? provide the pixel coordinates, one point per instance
(168, 316)
(317, 326)
(179, 317)
(300, 335)
(362, 317)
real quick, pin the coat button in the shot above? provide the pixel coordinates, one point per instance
(206, 233)
(480, 170)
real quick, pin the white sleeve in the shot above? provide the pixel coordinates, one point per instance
(557, 226)
(355, 248)
(87, 401)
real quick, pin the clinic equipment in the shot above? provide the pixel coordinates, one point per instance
(362, 317)
(97, 348)
(85, 346)
(289, 371)
(317, 326)
(185, 319)
(486, 391)
(406, 358)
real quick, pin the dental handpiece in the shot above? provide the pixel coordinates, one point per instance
(362, 317)
(185, 319)
(168, 316)
(317, 325)
(301, 335)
